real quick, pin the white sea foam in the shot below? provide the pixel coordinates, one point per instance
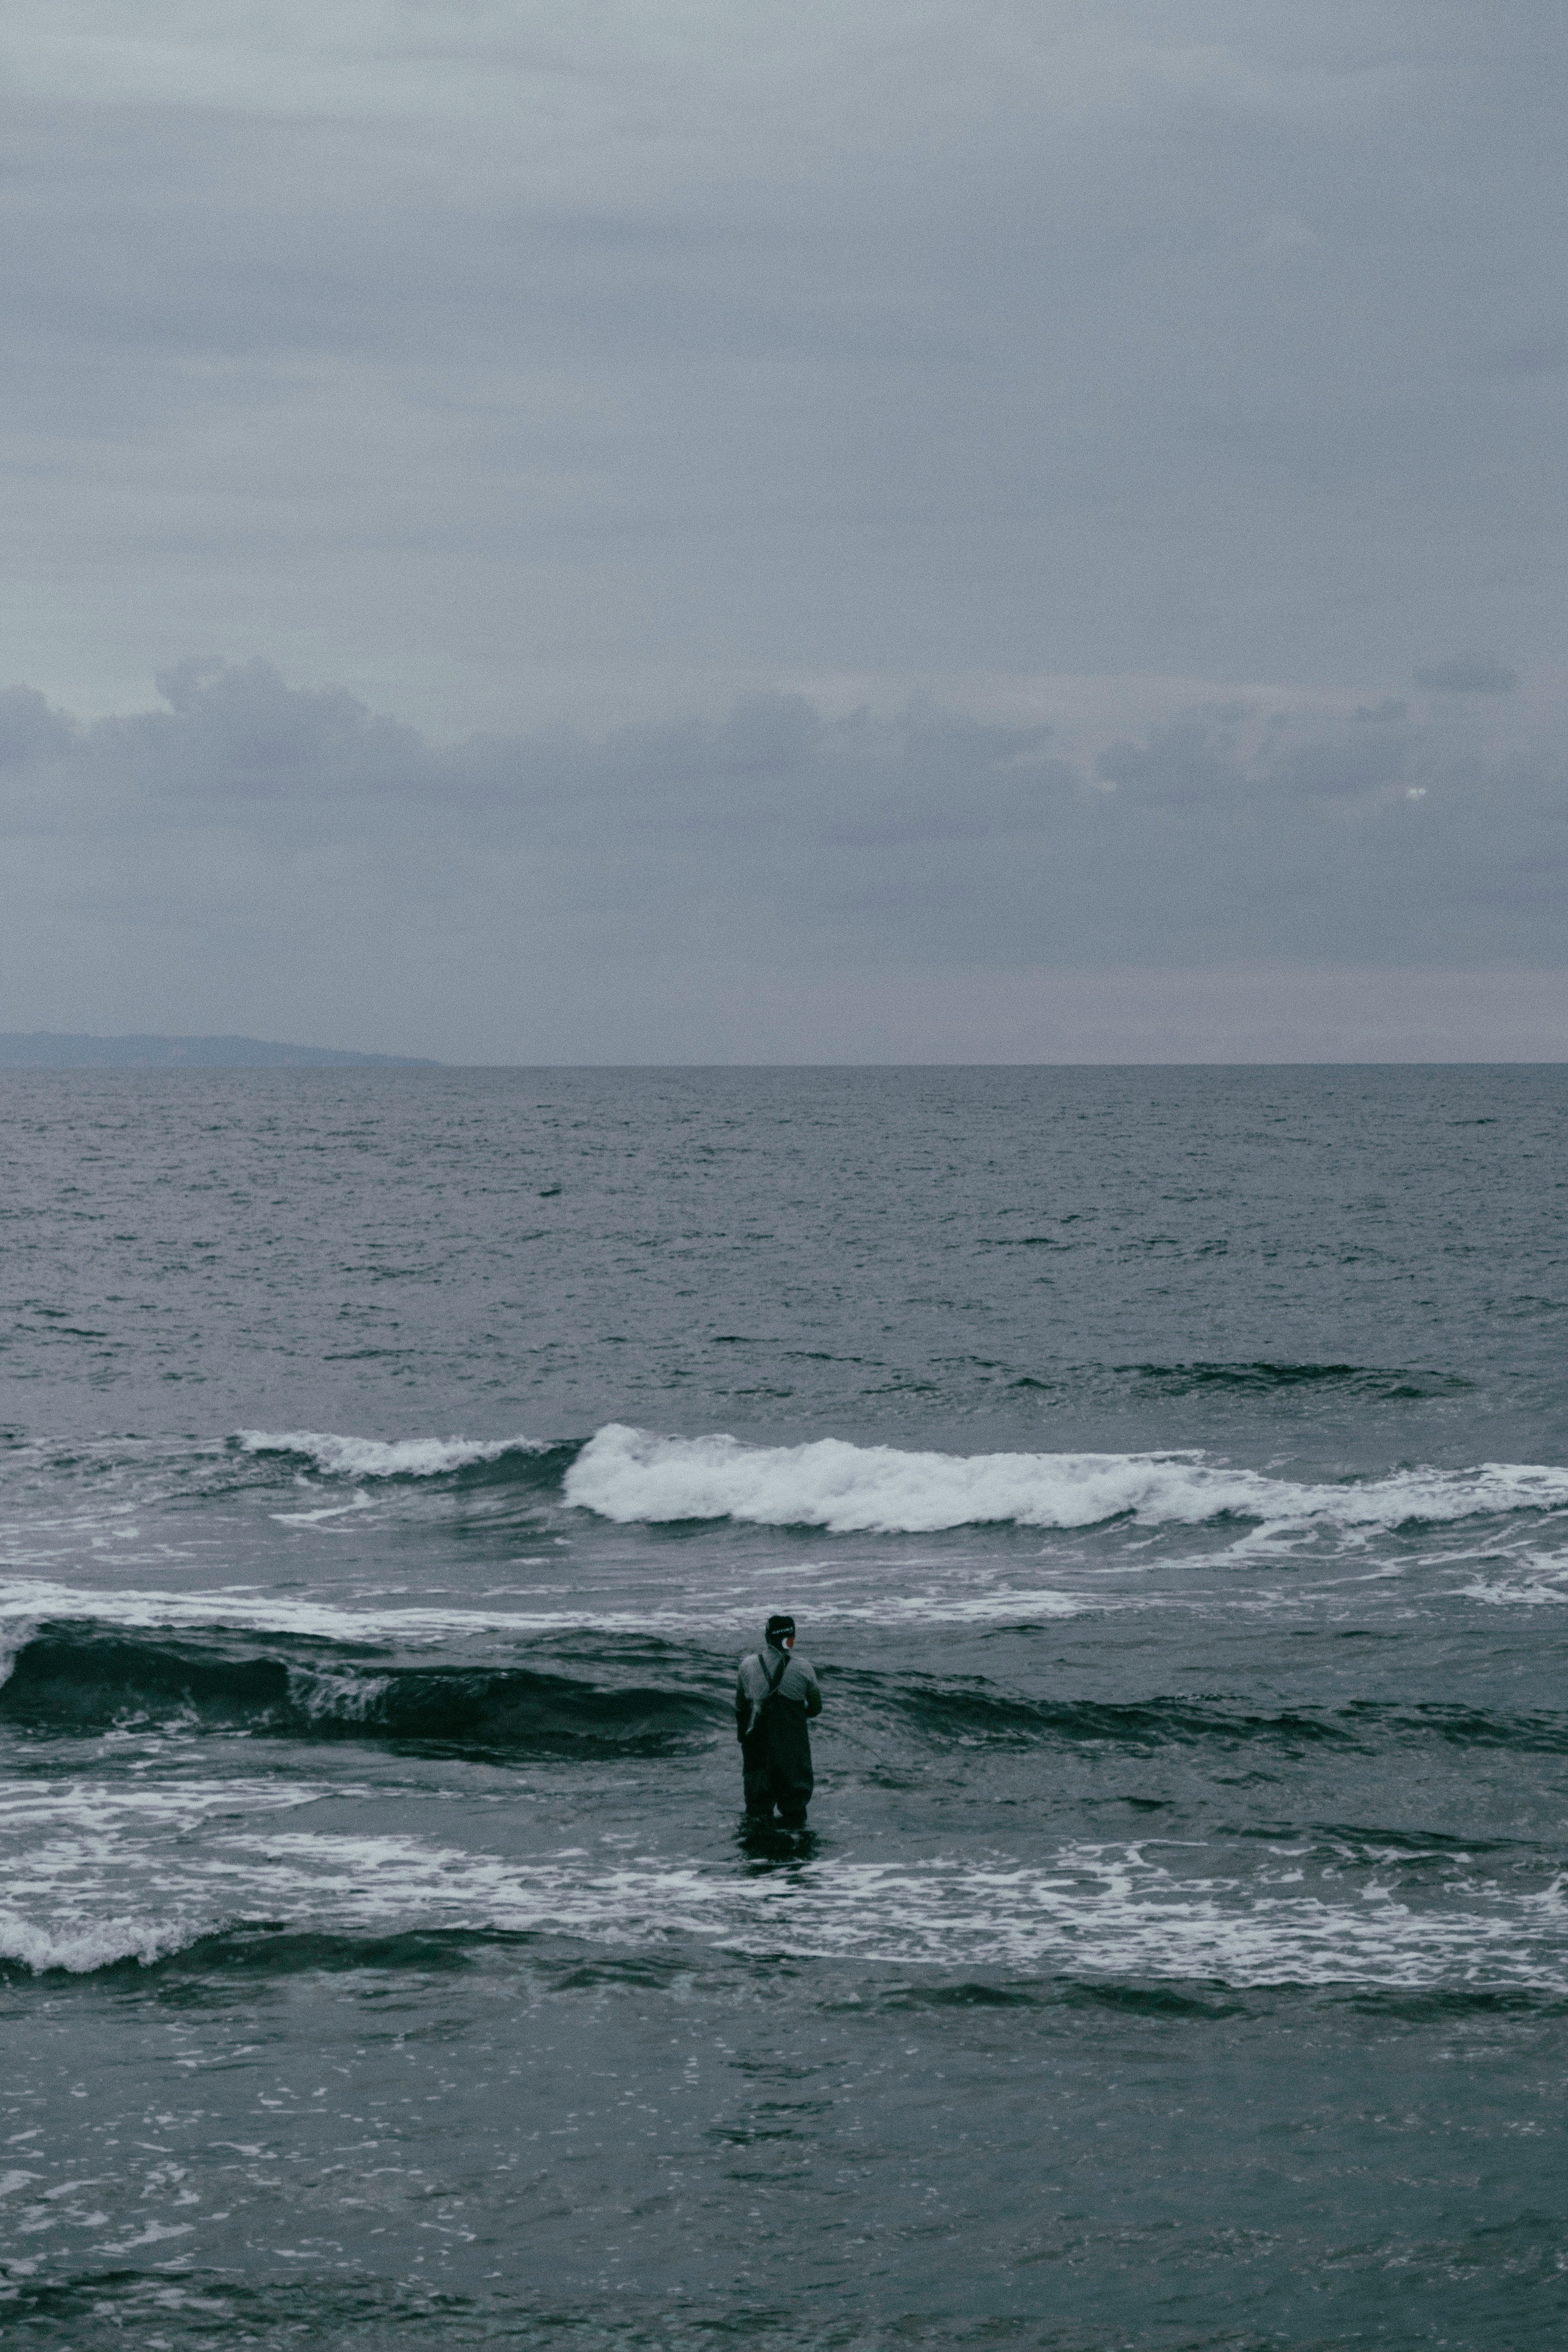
(149, 1610)
(327, 1695)
(34, 1811)
(1095, 1911)
(626, 1474)
(24, 1602)
(326, 1512)
(373, 1457)
(97, 1874)
(98, 1945)
(16, 1632)
(1540, 1593)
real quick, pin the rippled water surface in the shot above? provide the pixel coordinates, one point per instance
(1169, 1473)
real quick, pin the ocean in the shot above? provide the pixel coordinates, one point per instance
(1168, 1471)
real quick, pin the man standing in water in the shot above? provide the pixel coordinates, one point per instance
(776, 1694)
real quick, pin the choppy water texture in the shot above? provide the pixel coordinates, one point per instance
(1169, 1471)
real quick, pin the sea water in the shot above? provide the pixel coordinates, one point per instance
(1168, 1471)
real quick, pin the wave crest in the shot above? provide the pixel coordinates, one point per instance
(626, 1474)
(99, 1944)
(75, 1680)
(1109, 1912)
(397, 1457)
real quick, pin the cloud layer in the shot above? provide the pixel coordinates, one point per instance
(667, 890)
(506, 358)
(860, 511)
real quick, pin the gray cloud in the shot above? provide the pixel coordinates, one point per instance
(1468, 674)
(490, 356)
(531, 895)
(1110, 401)
(30, 731)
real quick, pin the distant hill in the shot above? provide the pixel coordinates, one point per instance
(44, 1049)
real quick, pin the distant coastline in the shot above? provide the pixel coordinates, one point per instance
(47, 1049)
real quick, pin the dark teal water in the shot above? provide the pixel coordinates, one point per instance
(1169, 1473)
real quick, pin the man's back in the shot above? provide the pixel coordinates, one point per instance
(760, 1674)
(777, 1693)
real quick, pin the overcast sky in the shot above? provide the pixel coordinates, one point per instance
(697, 529)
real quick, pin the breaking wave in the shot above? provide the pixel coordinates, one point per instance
(1112, 1912)
(81, 1951)
(65, 1679)
(626, 1474)
(409, 1457)
(630, 1475)
(74, 1680)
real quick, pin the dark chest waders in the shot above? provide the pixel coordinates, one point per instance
(779, 1745)
(764, 1707)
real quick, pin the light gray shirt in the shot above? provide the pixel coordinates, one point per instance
(798, 1681)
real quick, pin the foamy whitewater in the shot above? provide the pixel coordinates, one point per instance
(1169, 1473)
(626, 1473)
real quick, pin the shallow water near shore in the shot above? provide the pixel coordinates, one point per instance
(1169, 1473)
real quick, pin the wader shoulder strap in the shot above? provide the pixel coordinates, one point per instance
(773, 1682)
